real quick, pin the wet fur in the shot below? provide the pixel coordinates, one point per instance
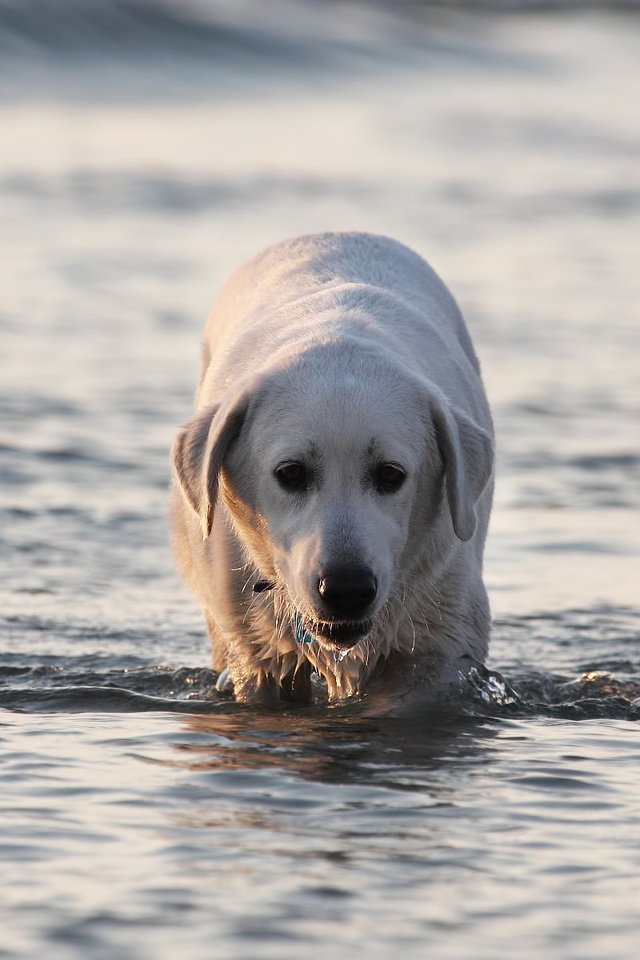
(344, 345)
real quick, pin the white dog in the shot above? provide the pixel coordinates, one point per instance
(333, 490)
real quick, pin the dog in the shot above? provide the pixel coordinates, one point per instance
(332, 493)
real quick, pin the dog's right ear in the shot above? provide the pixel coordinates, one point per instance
(199, 452)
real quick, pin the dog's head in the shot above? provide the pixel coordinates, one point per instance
(338, 472)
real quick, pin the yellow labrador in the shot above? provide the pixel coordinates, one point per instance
(332, 492)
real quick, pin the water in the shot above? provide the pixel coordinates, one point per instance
(144, 814)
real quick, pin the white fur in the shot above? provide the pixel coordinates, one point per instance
(344, 349)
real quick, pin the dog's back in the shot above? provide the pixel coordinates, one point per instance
(283, 291)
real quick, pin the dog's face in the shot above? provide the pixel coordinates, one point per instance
(333, 475)
(337, 473)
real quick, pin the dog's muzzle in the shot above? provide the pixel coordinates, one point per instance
(341, 634)
(346, 593)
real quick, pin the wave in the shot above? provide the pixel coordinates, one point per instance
(222, 30)
(56, 686)
(130, 27)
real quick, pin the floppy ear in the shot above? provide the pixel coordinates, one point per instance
(467, 451)
(200, 449)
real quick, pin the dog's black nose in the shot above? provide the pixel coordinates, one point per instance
(347, 591)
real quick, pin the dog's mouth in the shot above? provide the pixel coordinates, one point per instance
(339, 634)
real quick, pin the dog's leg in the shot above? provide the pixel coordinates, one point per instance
(218, 651)
(262, 688)
(296, 686)
(259, 689)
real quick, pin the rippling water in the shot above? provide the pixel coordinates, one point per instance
(148, 148)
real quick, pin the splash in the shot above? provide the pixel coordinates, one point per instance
(490, 686)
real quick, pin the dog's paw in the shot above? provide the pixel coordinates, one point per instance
(224, 683)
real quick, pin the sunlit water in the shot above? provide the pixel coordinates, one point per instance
(145, 815)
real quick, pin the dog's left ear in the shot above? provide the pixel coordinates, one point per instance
(467, 452)
(199, 451)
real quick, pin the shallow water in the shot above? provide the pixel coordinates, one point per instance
(145, 815)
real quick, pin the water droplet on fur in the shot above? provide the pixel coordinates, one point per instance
(339, 655)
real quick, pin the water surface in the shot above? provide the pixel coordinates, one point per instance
(143, 815)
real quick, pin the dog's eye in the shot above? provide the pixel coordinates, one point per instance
(292, 476)
(388, 477)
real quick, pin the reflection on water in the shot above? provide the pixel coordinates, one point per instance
(330, 748)
(272, 834)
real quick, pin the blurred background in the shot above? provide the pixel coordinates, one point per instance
(148, 146)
